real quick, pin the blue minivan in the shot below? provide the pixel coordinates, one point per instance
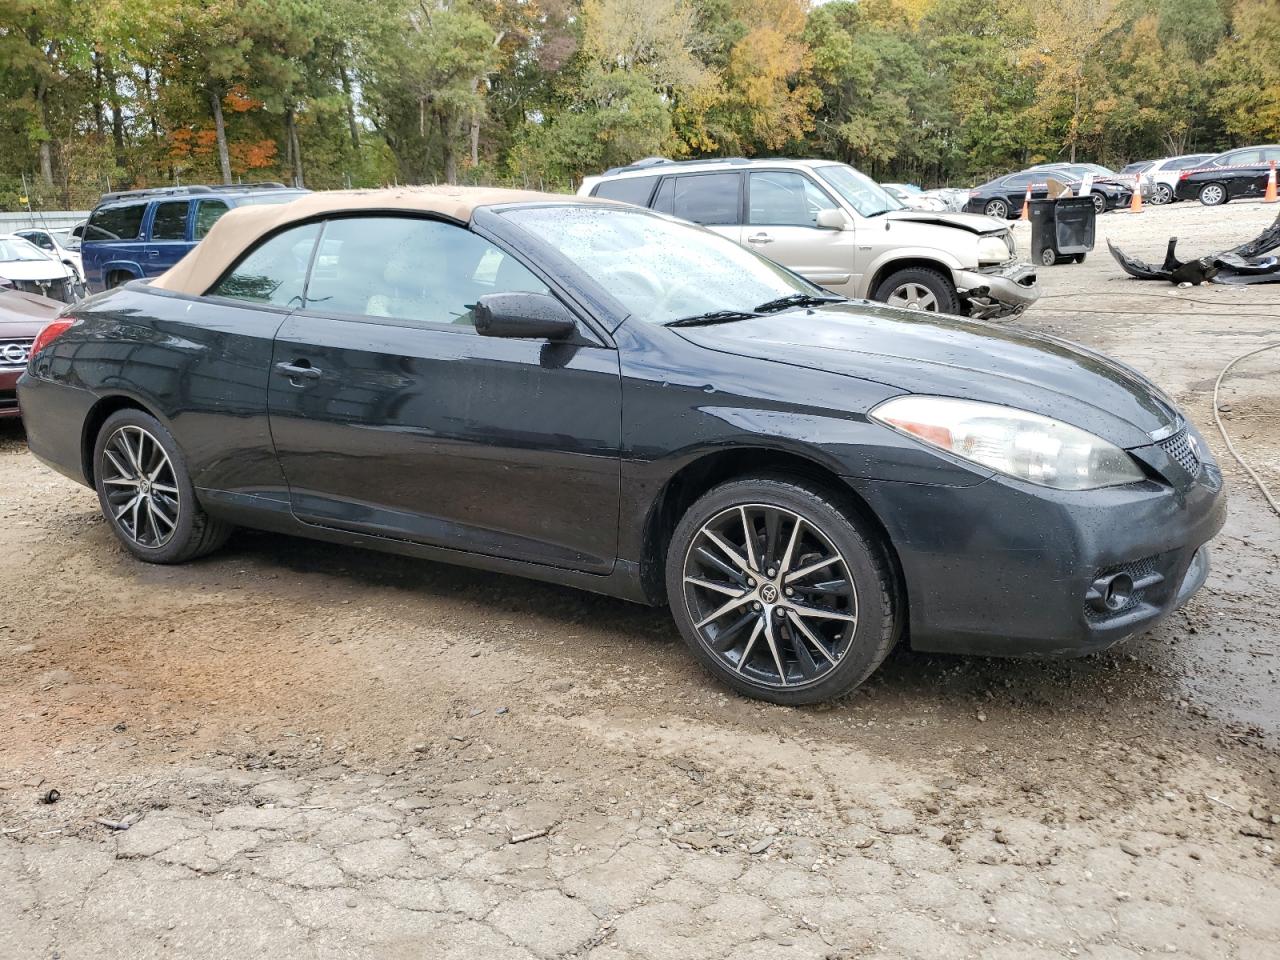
(142, 233)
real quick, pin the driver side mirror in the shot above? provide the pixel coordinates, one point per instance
(832, 219)
(520, 315)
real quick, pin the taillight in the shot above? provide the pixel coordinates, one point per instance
(1184, 174)
(51, 332)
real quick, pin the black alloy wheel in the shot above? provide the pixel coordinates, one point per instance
(146, 494)
(779, 593)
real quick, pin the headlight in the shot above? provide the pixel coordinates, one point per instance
(993, 249)
(1015, 442)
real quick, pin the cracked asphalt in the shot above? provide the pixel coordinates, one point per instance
(296, 750)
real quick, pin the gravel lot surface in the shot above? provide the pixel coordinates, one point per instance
(296, 750)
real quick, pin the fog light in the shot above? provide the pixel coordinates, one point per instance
(1111, 593)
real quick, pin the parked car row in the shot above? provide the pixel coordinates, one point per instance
(1003, 197)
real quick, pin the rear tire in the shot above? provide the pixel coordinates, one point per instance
(814, 628)
(919, 288)
(1213, 195)
(1047, 257)
(146, 494)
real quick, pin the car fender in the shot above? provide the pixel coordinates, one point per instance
(891, 260)
(118, 266)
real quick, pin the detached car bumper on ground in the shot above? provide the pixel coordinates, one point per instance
(599, 396)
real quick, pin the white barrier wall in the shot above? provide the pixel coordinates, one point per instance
(12, 220)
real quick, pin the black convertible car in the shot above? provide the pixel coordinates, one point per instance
(1002, 197)
(1234, 175)
(597, 395)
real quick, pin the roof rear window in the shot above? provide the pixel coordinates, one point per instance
(635, 190)
(115, 223)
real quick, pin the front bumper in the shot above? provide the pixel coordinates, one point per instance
(1005, 568)
(8, 392)
(992, 293)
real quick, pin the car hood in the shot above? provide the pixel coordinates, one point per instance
(972, 222)
(33, 269)
(949, 356)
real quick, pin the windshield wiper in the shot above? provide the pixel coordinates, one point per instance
(795, 300)
(713, 316)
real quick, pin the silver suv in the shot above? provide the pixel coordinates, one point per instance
(831, 224)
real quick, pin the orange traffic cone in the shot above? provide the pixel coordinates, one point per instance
(1135, 202)
(1270, 196)
(1026, 205)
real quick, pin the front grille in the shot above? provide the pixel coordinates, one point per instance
(1179, 449)
(14, 353)
(1144, 573)
(53, 289)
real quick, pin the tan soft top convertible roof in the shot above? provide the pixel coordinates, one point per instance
(239, 229)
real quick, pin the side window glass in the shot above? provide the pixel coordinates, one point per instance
(629, 190)
(785, 199)
(169, 222)
(402, 268)
(41, 240)
(115, 223)
(275, 272)
(663, 202)
(711, 198)
(207, 214)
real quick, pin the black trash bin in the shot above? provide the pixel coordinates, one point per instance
(1062, 230)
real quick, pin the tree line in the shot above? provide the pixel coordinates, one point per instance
(330, 93)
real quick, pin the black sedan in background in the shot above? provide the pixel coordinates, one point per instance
(1002, 197)
(596, 395)
(1234, 175)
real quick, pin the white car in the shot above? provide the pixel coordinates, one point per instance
(1165, 172)
(913, 198)
(59, 244)
(24, 266)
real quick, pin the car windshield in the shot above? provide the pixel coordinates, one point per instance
(860, 192)
(15, 248)
(661, 269)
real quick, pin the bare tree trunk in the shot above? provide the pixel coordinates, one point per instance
(224, 156)
(446, 150)
(475, 126)
(295, 150)
(351, 109)
(46, 148)
(117, 115)
(99, 122)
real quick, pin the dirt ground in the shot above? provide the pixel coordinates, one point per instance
(296, 750)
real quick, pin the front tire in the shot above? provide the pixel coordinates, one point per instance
(780, 591)
(1213, 195)
(919, 288)
(1163, 194)
(997, 208)
(146, 494)
(1099, 203)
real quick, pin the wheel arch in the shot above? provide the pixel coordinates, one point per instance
(921, 261)
(712, 469)
(94, 420)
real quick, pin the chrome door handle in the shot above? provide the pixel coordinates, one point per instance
(760, 238)
(295, 371)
